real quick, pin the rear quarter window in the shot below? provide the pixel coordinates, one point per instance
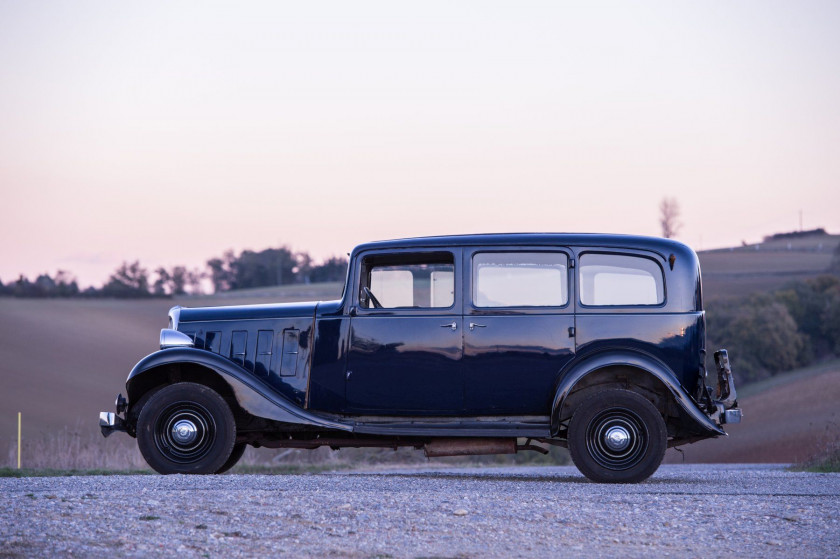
(620, 279)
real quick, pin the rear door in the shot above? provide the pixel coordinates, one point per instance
(518, 327)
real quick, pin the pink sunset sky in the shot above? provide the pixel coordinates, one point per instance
(170, 132)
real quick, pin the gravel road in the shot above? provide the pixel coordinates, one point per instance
(684, 510)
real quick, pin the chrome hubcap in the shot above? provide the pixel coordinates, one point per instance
(184, 432)
(617, 438)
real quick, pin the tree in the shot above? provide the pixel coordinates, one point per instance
(25, 288)
(194, 279)
(669, 217)
(760, 334)
(809, 303)
(831, 322)
(303, 266)
(129, 280)
(221, 272)
(333, 269)
(45, 285)
(161, 286)
(178, 280)
(269, 267)
(65, 284)
(273, 266)
(834, 267)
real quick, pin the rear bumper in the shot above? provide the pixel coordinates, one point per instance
(726, 410)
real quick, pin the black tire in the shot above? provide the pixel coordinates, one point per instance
(637, 442)
(186, 428)
(235, 456)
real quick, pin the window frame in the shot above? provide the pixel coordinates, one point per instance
(359, 310)
(469, 291)
(632, 254)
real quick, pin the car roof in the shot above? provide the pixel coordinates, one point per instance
(552, 239)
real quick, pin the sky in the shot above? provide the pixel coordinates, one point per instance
(171, 132)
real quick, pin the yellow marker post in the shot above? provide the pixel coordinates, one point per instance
(18, 441)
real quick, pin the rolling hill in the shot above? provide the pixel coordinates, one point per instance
(740, 271)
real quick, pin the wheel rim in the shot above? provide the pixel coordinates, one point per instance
(617, 439)
(184, 432)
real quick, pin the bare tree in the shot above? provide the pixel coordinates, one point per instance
(669, 217)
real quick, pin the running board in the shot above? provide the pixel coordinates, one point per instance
(456, 427)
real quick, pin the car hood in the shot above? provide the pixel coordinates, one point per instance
(248, 312)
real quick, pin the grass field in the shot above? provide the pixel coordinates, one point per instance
(63, 360)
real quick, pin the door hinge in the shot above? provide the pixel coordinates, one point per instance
(571, 331)
(571, 263)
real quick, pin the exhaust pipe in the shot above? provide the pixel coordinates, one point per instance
(465, 447)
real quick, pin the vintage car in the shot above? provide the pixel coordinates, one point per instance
(457, 345)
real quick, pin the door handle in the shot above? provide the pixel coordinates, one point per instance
(453, 325)
(473, 326)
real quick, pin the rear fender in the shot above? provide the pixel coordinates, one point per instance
(252, 395)
(637, 361)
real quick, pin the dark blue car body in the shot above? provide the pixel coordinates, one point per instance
(345, 373)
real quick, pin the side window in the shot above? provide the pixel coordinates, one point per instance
(520, 279)
(616, 279)
(420, 281)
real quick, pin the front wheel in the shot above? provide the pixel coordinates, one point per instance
(186, 428)
(235, 456)
(617, 436)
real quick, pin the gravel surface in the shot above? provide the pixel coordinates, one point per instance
(684, 510)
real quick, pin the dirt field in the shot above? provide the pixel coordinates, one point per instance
(787, 422)
(63, 361)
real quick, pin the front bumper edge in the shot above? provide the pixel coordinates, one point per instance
(110, 422)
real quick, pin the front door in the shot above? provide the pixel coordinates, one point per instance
(405, 338)
(518, 328)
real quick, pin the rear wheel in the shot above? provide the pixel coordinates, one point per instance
(617, 436)
(186, 428)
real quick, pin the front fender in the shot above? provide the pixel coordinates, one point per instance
(252, 394)
(637, 361)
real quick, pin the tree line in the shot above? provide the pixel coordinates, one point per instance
(248, 269)
(770, 333)
(766, 333)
